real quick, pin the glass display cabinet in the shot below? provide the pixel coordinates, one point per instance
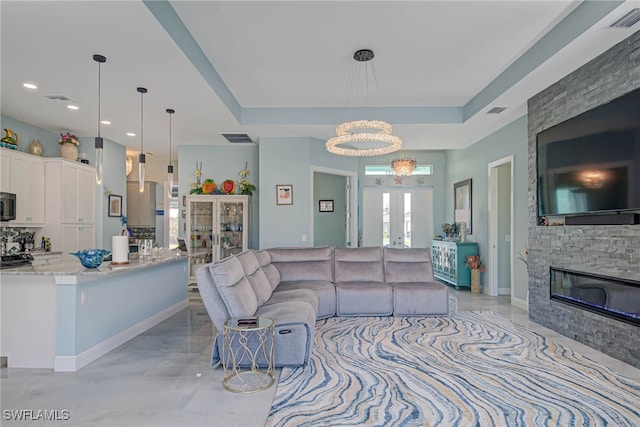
(216, 228)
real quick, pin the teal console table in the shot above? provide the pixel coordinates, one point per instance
(449, 261)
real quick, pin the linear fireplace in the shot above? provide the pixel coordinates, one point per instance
(617, 298)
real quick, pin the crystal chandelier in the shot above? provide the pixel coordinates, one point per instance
(375, 133)
(403, 167)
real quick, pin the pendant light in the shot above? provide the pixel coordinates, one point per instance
(99, 144)
(141, 158)
(170, 167)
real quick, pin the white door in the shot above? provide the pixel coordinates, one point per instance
(397, 218)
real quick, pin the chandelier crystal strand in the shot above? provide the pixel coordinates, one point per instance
(170, 167)
(350, 135)
(142, 157)
(404, 167)
(99, 143)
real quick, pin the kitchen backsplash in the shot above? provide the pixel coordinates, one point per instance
(17, 234)
(143, 233)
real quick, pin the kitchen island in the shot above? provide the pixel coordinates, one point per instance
(62, 316)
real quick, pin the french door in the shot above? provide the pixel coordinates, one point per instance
(397, 218)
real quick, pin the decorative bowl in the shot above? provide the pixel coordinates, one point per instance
(91, 258)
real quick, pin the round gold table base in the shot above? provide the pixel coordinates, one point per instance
(248, 381)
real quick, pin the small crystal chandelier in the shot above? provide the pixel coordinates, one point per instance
(170, 167)
(404, 167)
(376, 132)
(99, 143)
(141, 158)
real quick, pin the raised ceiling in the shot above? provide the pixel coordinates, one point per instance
(269, 68)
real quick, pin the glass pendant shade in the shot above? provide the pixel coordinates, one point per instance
(141, 171)
(99, 143)
(99, 155)
(142, 157)
(170, 179)
(170, 167)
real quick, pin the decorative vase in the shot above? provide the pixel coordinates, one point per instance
(69, 151)
(475, 280)
(35, 147)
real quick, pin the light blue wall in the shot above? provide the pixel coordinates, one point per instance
(504, 220)
(288, 161)
(220, 163)
(114, 304)
(472, 162)
(26, 133)
(329, 227)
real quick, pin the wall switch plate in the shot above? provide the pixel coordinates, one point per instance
(83, 297)
(304, 237)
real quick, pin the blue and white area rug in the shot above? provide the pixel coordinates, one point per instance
(469, 369)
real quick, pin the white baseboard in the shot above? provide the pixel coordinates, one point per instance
(73, 363)
(504, 291)
(520, 303)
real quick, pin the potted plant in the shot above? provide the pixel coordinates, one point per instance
(474, 264)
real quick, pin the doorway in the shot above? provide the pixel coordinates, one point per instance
(397, 217)
(332, 207)
(501, 272)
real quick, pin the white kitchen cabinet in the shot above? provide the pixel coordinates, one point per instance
(26, 177)
(78, 193)
(5, 171)
(70, 205)
(77, 237)
(217, 227)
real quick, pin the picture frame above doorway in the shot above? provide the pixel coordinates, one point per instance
(462, 208)
(325, 205)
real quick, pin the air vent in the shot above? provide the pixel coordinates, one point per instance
(628, 20)
(59, 98)
(238, 138)
(496, 110)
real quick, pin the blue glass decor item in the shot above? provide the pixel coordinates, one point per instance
(91, 258)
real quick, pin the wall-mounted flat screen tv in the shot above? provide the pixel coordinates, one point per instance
(591, 162)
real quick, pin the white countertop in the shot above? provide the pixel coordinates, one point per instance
(74, 268)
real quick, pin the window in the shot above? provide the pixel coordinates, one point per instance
(386, 170)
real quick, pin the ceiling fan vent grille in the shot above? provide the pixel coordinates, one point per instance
(628, 20)
(238, 138)
(496, 110)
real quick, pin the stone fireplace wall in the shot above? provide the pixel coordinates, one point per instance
(606, 249)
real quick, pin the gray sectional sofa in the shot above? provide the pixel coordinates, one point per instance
(297, 286)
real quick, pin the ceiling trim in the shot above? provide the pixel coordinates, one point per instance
(580, 19)
(173, 25)
(583, 17)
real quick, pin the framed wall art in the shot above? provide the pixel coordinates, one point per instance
(284, 194)
(462, 202)
(115, 205)
(325, 205)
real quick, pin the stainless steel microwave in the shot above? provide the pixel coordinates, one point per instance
(7, 206)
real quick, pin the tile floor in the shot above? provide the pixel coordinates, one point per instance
(163, 378)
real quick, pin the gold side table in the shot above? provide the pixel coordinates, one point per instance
(247, 354)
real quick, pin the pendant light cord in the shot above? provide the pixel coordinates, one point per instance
(142, 122)
(170, 139)
(99, 85)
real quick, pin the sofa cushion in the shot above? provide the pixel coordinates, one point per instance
(272, 273)
(303, 263)
(255, 274)
(407, 265)
(306, 295)
(364, 299)
(234, 287)
(358, 264)
(420, 299)
(326, 292)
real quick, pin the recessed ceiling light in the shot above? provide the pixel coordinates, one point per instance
(73, 107)
(105, 122)
(131, 134)
(30, 86)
